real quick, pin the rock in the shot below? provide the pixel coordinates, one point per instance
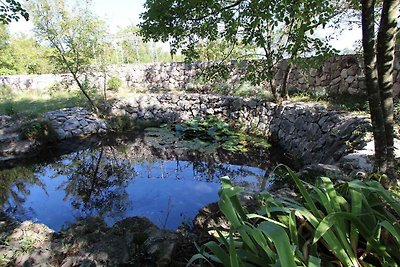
(350, 79)
(5, 118)
(335, 81)
(396, 89)
(77, 132)
(317, 170)
(71, 124)
(91, 128)
(313, 72)
(343, 74)
(353, 70)
(358, 161)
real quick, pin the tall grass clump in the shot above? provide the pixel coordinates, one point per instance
(345, 224)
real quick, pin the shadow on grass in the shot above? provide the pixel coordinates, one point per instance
(34, 106)
(352, 103)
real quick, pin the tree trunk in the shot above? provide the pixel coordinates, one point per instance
(273, 90)
(385, 56)
(371, 77)
(74, 75)
(284, 90)
(80, 85)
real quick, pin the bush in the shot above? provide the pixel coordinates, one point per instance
(54, 88)
(348, 224)
(6, 92)
(123, 123)
(9, 109)
(114, 83)
(38, 130)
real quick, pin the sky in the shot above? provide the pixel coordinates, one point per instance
(117, 13)
(120, 13)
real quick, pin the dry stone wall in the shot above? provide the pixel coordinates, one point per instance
(337, 75)
(309, 133)
(77, 121)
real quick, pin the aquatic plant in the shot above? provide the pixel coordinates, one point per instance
(205, 135)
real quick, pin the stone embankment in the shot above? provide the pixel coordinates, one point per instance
(309, 133)
(67, 123)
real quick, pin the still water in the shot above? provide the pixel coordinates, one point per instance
(129, 179)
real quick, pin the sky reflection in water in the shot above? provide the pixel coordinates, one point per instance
(109, 183)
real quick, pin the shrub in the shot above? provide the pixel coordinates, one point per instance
(348, 224)
(114, 83)
(122, 123)
(54, 88)
(9, 109)
(6, 91)
(38, 130)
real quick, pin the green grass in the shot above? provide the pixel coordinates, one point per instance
(31, 104)
(352, 103)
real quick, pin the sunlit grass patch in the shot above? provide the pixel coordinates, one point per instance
(34, 103)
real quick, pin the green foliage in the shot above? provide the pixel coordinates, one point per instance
(221, 50)
(9, 109)
(6, 92)
(114, 83)
(38, 130)
(78, 36)
(73, 30)
(122, 124)
(275, 29)
(132, 49)
(23, 55)
(205, 135)
(30, 57)
(350, 224)
(11, 10)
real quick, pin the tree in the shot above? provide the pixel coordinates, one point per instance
(220, 50)
(132, 49)
(6, 59)
(278, 29)
(11, 10)
(76, 34)
(378, 63)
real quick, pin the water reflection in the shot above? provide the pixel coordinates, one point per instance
(113, 182)
(15, 189)
(96, 182)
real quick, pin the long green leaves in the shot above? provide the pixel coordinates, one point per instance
(354, 223)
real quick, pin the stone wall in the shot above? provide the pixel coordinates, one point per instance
(77, 121)
(338, 75)
(309, 133)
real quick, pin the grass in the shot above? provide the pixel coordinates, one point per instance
(353, 103)
(31, 104)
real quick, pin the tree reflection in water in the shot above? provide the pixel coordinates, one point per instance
(15, 189)
(204, 168)
(96, 182)
(111, 182)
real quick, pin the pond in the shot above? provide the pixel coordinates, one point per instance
(127, 177)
